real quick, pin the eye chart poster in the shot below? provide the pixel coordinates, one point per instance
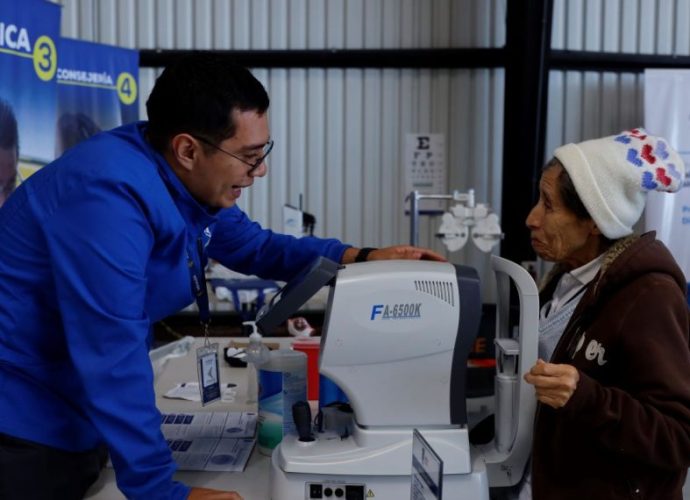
(425, 167)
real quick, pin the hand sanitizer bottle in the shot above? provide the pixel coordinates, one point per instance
(257, 354)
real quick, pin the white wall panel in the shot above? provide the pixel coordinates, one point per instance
(183, 24)
(297, 24)
(296, 136)
(126, 13)
(164, 27)
(88, 22)
(202, 19)
(144, 21)
(221, 28)
(107, 30)
(257, 199)
(278, 175)
(260, 22)
(666, 24)
(334, 214)
(682, 36)
(584, 105)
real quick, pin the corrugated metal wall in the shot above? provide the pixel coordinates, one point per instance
(584, 105)
(339, 133)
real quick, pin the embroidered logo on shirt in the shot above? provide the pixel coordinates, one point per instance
(207, 236)
(596, 351)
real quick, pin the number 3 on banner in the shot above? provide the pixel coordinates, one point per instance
(126, 88)
(45, 58)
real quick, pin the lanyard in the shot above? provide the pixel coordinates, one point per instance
(207, 355)
(199, 287)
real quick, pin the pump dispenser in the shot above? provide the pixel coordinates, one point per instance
(257, 354)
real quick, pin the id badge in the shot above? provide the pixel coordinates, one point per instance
(209, 375)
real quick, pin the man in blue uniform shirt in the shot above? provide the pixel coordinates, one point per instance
(95, 248)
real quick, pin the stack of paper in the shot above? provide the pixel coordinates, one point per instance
(211, 441)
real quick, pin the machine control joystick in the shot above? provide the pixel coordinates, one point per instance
(301, 414)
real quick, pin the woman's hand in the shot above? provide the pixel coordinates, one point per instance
(554, 383)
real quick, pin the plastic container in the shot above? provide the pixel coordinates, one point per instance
(311, 347)
(256, 355)
(282, 382)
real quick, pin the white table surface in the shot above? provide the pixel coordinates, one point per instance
(253, 482)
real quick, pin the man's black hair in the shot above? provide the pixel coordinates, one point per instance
(9, 136)
(197, 94)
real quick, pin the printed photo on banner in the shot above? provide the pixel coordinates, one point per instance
(97, 90)
(29, 34)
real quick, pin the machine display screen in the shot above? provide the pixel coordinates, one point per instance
(295, 293)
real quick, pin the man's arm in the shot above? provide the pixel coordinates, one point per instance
(404, 252)
(99, 243)
(243, 245)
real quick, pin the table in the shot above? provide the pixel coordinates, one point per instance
(253, 483)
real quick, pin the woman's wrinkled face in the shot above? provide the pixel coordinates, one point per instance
(557, 235)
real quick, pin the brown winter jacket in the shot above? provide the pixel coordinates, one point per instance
(625, 432)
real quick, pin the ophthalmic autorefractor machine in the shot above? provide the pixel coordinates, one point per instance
(396, 339)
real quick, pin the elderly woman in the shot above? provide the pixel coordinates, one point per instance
(613, 378)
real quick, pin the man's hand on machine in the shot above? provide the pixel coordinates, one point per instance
(209, 494)
(554, 383)
(403, 252)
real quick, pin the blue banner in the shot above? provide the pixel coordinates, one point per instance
(97, 90)
(29, 34)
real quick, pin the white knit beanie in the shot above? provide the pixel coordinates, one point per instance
(613, 175)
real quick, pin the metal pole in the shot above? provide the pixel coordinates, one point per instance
(528, 39)
(414, 218)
